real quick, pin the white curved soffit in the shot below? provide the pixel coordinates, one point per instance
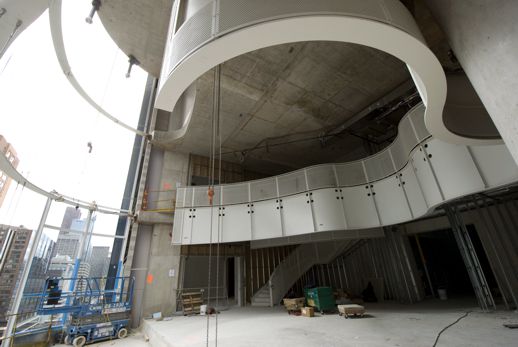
(15, 17)
(59, 47)
(391, 29)
(7, 168)
(407, 180)
(467, 113)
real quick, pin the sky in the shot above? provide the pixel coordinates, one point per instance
(49, 124)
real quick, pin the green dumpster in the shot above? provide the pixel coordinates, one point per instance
(321, 298)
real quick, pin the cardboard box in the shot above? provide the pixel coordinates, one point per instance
(294, 304)
(307, 311)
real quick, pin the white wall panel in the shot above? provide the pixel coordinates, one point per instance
(359, 208)
(454, 169)
(237, 223)
(296, 214)
(413, 191)
(201, 225)
(187, 226)
(266, 220)
(328, 209)
(178, 226)
(496, 164)
(391, 201)
(426, 179)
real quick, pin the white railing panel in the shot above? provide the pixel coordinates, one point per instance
(235, 194)
(292, 183)
(263, 189)
(322, 176)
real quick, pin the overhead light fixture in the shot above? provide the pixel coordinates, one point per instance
(95, 7)
(132, 61)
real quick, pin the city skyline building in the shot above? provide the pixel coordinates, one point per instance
(13, 245)
(99, 260)
(68, 241)
(37, 275)
(5, 181)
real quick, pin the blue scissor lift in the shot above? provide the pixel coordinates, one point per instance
(89, 312)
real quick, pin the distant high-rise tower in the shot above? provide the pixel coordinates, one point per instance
(7, 149)
(99, 261)
(68, 242)
(37, 276)
(13, 245)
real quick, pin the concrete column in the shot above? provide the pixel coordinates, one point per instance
(156, 262)
(483, 36)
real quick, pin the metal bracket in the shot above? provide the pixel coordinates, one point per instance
(96, 4)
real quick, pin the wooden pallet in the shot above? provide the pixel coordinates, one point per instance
(293, 305)
(351, 310)
(191, 303)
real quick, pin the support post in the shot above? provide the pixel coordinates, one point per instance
(11, 324)
(476, 275)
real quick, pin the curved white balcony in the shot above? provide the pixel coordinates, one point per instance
(206, 33)
(405, 181)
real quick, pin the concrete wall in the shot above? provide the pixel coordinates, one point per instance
(162, 273)
(483, 35)
(164, 258)
(156, 262)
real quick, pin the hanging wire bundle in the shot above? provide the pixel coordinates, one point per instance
(215, 154)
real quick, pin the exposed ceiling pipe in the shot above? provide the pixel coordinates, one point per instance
(397, 92)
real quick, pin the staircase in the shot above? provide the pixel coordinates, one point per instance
(294, 265)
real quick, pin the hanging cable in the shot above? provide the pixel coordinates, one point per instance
(11, 36)
(215, 134)
(217, 84)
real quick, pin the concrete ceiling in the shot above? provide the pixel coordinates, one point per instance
(139, 28)
(278, 100)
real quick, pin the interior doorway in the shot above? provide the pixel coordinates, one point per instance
(441, 266)
(231, 278)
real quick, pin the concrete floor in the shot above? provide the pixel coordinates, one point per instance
(387, 324)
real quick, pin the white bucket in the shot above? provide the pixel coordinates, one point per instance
(442, 294)
(203, 310)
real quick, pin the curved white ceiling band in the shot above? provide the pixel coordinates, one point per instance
(59, 47)
(377, 33)
(7, 168)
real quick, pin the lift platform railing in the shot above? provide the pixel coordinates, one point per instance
(159, 200)
(89, 296)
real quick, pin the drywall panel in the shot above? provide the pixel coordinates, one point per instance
(266, 220)
(237, 223)
(296, 215)
(454, 168)
(495, 163)
(359, 208)
(328, 209)
(201, 225)
(391, 201)
(413, 191)
(178, 226)
(426, 179)
(187, 227)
